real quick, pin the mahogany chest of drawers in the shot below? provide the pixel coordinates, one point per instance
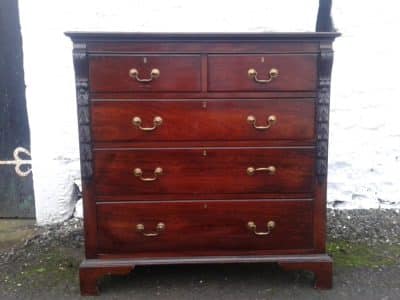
(199, 148)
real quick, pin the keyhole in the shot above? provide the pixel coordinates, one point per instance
(262, 59)
(204, 152)
(204, 104)
(145, 60)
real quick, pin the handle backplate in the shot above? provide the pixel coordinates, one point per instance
(271, 120)
(271, 170)
(159, 228)
(253, 227)
(273, 73)
(139, 173)
(137, 121)
(154, 74)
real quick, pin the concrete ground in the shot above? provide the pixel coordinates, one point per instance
(41, 263)
(15, 231)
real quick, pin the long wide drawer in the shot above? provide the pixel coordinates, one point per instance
(271, 72)
(153, 228)
(144, 73)
(120, 172)
(205, 120)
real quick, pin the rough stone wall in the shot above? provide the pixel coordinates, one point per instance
(365, 131)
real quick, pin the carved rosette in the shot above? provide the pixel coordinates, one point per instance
(82, 96)
(322, 110)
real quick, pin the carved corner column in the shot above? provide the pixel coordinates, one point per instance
(322, 110)
(322, 137)
(82, 96)
(81, 65)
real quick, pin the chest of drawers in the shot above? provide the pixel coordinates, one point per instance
(203, 148)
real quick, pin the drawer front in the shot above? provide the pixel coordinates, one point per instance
(206, 120)
(203, 171)
(166, 227)
(116, 73)
(280, 72)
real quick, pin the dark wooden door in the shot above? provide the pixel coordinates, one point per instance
(16, 193)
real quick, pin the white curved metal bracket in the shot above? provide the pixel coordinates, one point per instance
(18, 162)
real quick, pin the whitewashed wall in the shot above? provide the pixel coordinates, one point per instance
(365, 131)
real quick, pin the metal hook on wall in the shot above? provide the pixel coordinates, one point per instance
(18, 161)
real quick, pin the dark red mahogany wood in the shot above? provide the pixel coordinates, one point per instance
(203, 120)
(204, 196)
(206, 171)
(93, 269)
(177, 73)
(202, 225)
(230, 72)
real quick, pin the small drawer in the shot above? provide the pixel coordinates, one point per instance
(273, 72)
(144, 73)
(203, 120)
(120, 172)
(154, 228)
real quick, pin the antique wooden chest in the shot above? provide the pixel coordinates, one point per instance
(203, 148)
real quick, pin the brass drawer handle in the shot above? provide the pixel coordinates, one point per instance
(159, 228)
(253, 227)
(273, 73)
(271, 120)
(271, 170)
(137, 121)
(154, 74)
(139, 173)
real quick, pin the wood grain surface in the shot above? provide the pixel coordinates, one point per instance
(202, 120)
(206, 171)
(203, 226)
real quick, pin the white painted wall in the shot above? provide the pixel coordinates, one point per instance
(365, 131)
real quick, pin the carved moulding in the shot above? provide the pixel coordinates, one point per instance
(82, 97)
(322, 110)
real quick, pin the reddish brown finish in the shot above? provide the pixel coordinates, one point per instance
(230, 72)
(205, 47)
(195, 171)
(203, 120)
(93, 269)
(201, 197)
(322, 271)
(90, 224)
(222, 253)
(204, 146)
(177, 73)
(320, 217)
(89, 276)
(203, 226)
(112, 96)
